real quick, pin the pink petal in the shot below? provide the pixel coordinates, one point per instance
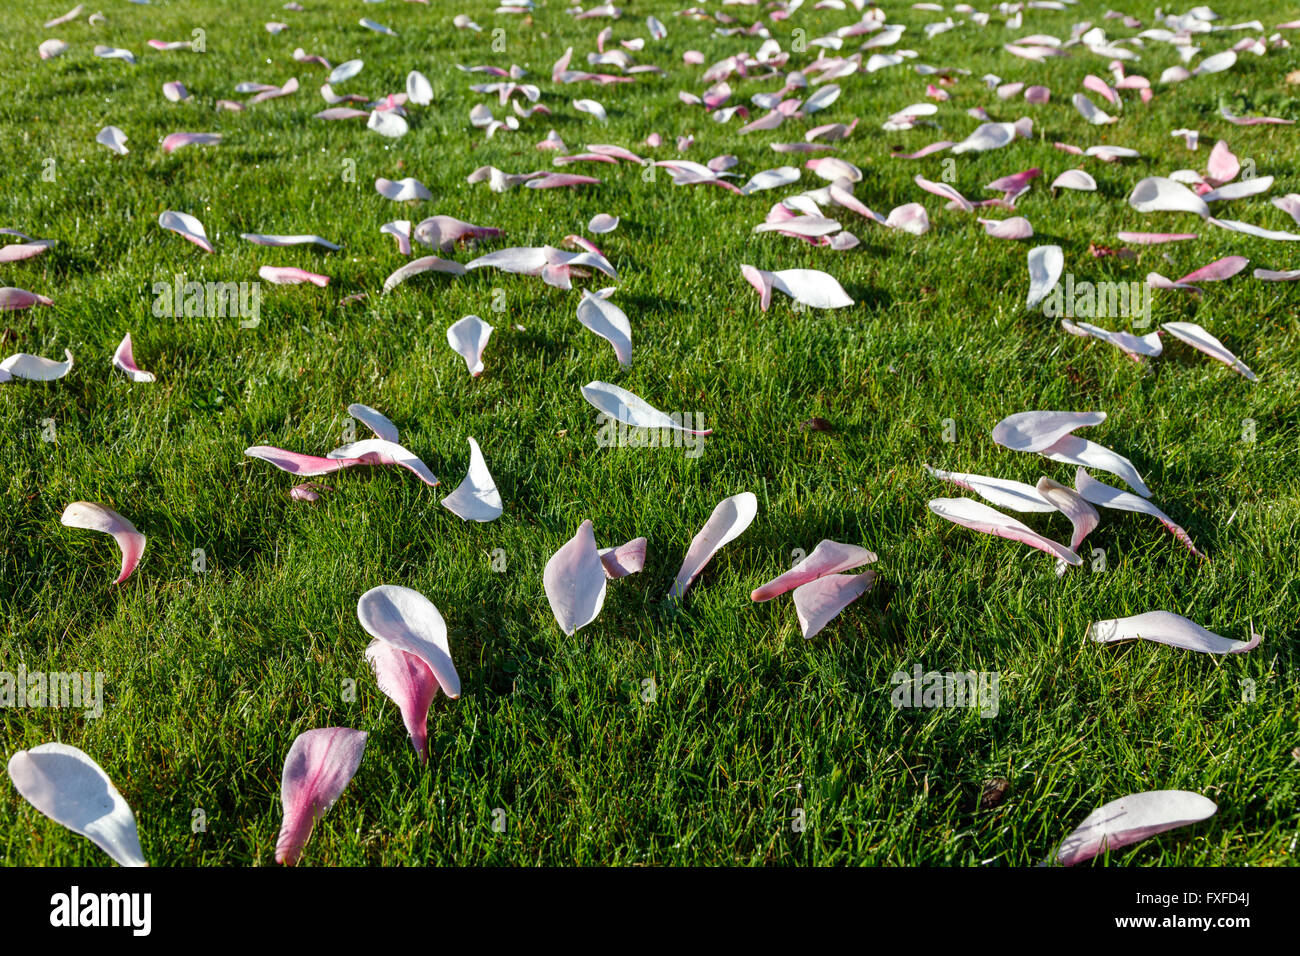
(574, 581)
(728, 520)
(625, 559)
(175, 141)
(829, 557)
(308, 491)
(12, 299)
(377, 451)
(445, 232)
(978, 516)
(946, 191)
(319, 766)
(818, 602)
(1100, 493)
(409, 683)
(1201, 340)
(558, 180)
(1132, 819)
(124, 359)
(1083, 516)
(186, 226)
(95, 517)
(305, 466)
(1017, 227)
(1154, 238)
(291, 275)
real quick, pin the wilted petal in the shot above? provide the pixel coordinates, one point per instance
(1132, 819)
(67, 786)
(425, 264)
(295, 463)
(731, 517)
(320, 764)
(94, 517)
(574, 581)
(12, 299)
(1175, 630)
(1083, 516)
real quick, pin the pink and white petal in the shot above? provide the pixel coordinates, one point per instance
(978, 516)
(12, 299)
(124, 360)
(408, 620)
(95, 517)
(1003, 492)
(818, 602)
(409, 683)
(728, 520)
(376, 421)
(186, 226)
(295, 463)
(319, 766)
(829, 557)
(468, 338)
(1036, 431)
(1083, 516)
(377, 451)
(1201, 340)
(1132, 819)
(1100, 493)
(574, 581)
(624, 559)
(623, 406)
(476, 498)
(424, 264)
(1174, 630)
(291, 275)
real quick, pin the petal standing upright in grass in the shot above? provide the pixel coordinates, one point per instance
(376, 421)
(93, 517)
(476, 498)
(1046, 263)
(978, 516)
(1203, 341)
(817, 602)
(113, 138)
(468, 338)
(1132, 819)
(408, 620)
(1164, 627)
(829, 557)
(320, 765)
(609, 322)
(574, 581)
(124, 360)
(186, 226)
(728, 520)
(1100, 493)
(72, 790)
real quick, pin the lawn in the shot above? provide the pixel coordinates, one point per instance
(705, 731)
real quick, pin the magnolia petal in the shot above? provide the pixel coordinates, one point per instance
(946, 191)
(1090, 111)
(812, 288)
(21, 251)
(468, 338)
(444, 232)
(388, 123)
(817, 602)
(35, 368)
(476, 498)
(94, 517)
(1083, 516)
(609, 322)
(425, 264)
(1174, 630)
(408, 620)
(1201, 340)
(402, 189)
(1037, 431)
(1017, 227)
(1155, 238)
(418, 88)
(376, 421)
(771, 179)
(1240, 190)
(1003, 492)
(262, 240)
(1251, 230)
(1100, 493)
(409, 683)
(345, 71)
(1046, 263)
(308, 491)
(1075, 179)
(291, 275)
(400, 230)
(12, 299)
(186, 226)
(625, 407)
(602, 223)
(319, 766)
(175, 141)
(574, 581)
(113, 138)
(377, 451)
(1073, 450)
(1159, 194)
(295, 463)
(978, 516)
(625, 559)
(124, 359)
(728, 520)
(909, 217)
(1135, 347)
(1132, 819)
(829, 557)
(65, 785)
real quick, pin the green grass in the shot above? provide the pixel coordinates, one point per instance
(209, 677)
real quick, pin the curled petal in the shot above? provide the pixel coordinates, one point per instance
(625, 559)
(94, 517)
(574, 581)
(476, 498)
(817, 602)
(1100, 493)
(124, 359)
(407, 620)
(468, 338)
(1132, 819)
(829, 557)
(728, 520)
